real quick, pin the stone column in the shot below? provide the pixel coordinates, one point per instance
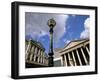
(62, 61)
(32, 53)
(27, 50)
(65, 61)
(38, 55)
(84, 56)
(36, 50)
(35, 54)
(44, 59)
(87, 49)
(74, 58)
(78, 57)
(70, 60)
(41, 57)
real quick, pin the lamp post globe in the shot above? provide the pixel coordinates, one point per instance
(51, 23)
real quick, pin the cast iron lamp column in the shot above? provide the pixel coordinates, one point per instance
(51, 23)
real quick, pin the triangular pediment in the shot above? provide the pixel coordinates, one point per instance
(74, 43)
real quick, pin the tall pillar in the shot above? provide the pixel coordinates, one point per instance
(44, 59)
(65, 61)
(32, 53)
(36, 50)
(87, 49)
(74, 59)
(84, 56)
(27, 50)
(70, 60)
(78, 57)
(38, 55)
(35, 54)
(62, 61)
(41, 56)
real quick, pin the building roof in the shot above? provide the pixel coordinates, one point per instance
(75, 42)
(69, 45)
(37, 43)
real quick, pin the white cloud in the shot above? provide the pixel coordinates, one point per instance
(86, 32)
(67, 41)
(36, 24)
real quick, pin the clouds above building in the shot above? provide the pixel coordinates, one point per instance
(68, 27)
(36, 25)
(86, 32)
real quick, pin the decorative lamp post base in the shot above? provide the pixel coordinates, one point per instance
(51, 63)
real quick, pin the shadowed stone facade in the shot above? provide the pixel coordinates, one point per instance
(35, 55)
(76, 53)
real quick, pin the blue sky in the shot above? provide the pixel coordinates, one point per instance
(68, 27)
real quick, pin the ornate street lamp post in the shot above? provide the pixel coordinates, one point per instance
(51, 23)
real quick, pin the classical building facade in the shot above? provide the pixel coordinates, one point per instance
(76, 53)
(35, 55)
(57, 57)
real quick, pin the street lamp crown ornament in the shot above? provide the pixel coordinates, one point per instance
(51, 23)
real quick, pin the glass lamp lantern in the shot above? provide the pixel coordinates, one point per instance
(51, 23)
